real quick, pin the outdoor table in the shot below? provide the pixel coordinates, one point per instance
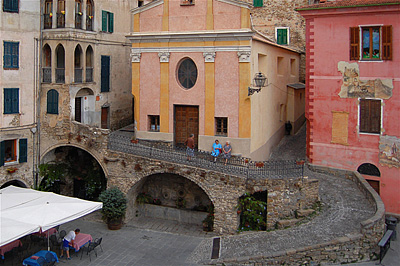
(81, 240)
(32, 262)
(9, 246)
(51, 231)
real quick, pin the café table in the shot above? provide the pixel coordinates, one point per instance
(80, 240)
(33, 262)
(9, 247)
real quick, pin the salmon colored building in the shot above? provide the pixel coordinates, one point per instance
(192, 64)
(353, 90)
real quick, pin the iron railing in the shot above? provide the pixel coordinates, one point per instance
(60, 75)
(89, 23)
(78, 75)
(89, 74)
(238, 166)
(60, 20)
(78, 21)
(47, 21)
(46, 74)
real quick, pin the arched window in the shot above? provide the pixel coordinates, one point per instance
(89, 64)
(60, 69)
(46, 62)
(187, 73)
(369, 169)
(89, 15)
(78, 64)
(52, 102)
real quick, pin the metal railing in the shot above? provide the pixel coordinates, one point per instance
(78, 21)
(46, 74)
(47, 21)
(89, 23)
(89, 74)
(60, 20)
(78, 75)
(60, 75)
(238, 166)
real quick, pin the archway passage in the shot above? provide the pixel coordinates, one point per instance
(170, 197)
(371, 174)
(72, 171)
(16, 183)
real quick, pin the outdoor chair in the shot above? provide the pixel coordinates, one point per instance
(97, 242)
(55, 242)
(89, 248)
(41, 261)
(50, 259)
(62, 234)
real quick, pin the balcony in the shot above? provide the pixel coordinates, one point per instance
(61, 20)
(89, 23)
(60, 75)
(47, 21)
(89, 74)
(78, 20)
(46, 74)
(78, 75)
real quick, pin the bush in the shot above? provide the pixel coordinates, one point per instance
(114, 204)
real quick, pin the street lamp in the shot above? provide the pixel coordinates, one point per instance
(259, 82)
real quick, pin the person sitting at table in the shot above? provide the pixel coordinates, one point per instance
(69, 241)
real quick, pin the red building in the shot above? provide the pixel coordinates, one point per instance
(353, 90)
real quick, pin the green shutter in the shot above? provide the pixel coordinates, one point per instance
(281, 37)
(52, 102)
(11, 100)
(7, 55)
(110, 22)
(258, 3)
(23, 150)
(105, 73)
(2, 153)
(7, 101)
(15, 100)
(103, 20)
(15, 55)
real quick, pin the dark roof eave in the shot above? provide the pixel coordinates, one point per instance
(350, 6)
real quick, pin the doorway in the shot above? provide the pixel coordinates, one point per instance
(186, 122)
(78, 109)
(104, 116)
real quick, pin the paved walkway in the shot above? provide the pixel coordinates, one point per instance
(154, 242)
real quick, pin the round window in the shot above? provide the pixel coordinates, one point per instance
(187, 73)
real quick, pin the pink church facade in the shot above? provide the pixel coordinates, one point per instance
(353, 91)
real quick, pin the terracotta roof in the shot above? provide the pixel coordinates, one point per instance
(349, 3)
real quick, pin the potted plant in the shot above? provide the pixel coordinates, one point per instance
(114, 207)
(11, 170)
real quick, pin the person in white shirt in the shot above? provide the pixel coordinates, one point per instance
(69, 241)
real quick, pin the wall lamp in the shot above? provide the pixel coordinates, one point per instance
(259, 82)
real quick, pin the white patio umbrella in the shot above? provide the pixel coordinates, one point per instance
(42, 210)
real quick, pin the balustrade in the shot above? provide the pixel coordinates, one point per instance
(46, 74)
(60, 75)
(47, 21)
(89, 74)
(78, 75)
(60, 20)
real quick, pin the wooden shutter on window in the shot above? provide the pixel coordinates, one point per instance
(258, 3)
(23, 150)
(2, 153)
(52, 102)
(354, 43)
(105, 73)
(110, 22)
(103, 20)
(370, 116)
(281, 36)
(387, 42)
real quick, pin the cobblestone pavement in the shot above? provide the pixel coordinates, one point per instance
(154, 242)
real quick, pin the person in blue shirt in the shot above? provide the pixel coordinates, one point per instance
(216, 150)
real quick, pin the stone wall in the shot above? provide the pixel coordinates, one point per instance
(354, 247)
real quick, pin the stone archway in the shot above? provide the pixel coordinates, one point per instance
(72, 171)
(169, 196)
(14, 182)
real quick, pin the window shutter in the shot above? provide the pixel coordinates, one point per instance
(281, 36)
(364, 114)
(7, 101)
(111, 22)
(387, 42)
(15, 55)
(2, 153)
(105, 73)
(15, 100)
(7, 55)
(23, 150)
(103, 20)
(354, 43)
(375, 116)
(52, 102)
(258, 3)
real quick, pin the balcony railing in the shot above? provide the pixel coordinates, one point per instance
(78, 21)
(47, 75)
(60, 20)
(47, 21)
(78, 75)
(60, 75)
(89, 74)
(89, 23)
(238, 166)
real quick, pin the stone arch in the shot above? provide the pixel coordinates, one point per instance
(14, 182)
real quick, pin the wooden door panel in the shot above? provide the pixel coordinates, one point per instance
(78, 106)
(186, 122)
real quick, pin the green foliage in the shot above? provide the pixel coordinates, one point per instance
(53, 174)
(252, 213)
(114, 204)
(143, 198)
